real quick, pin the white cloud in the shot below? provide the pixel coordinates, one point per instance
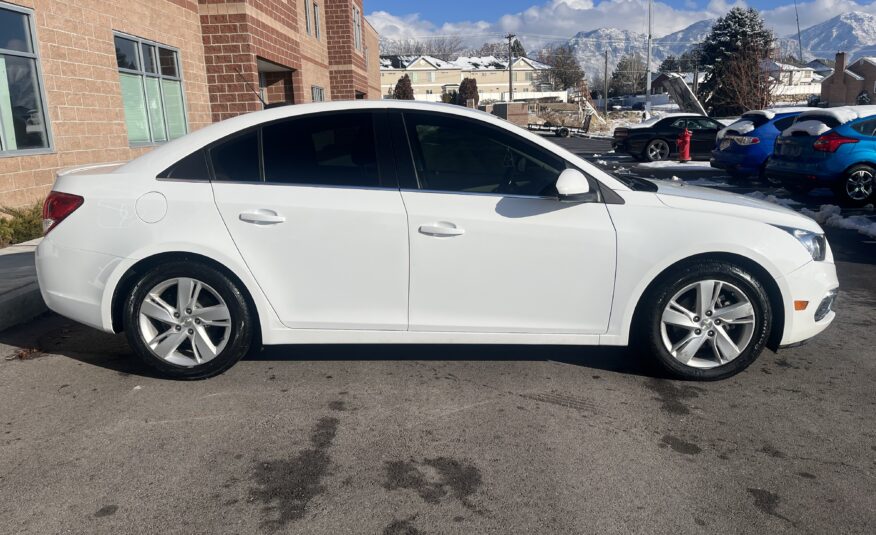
(561, 19)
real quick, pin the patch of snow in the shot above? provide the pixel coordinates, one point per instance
(812, 127)
(704, 182)
(601, 162)
(831, 215)
(742, 126)
(671, 164)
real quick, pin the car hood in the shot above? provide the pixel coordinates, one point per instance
(693, 198)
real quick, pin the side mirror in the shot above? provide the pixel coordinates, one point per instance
(573, 186)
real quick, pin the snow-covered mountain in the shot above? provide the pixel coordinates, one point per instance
(590, 46)
(853, 32)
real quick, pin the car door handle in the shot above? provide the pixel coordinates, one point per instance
(262, 217)
(441, 228)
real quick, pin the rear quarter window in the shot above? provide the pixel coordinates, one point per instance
(866, 128)
(784, 123)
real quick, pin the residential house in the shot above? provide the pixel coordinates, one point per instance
(431, 77)
(91, 81)
(789, 82)
(850, 83)
(822, 67)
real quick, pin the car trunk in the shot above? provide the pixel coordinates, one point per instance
(798, 148)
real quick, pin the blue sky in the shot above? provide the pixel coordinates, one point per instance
(541, 20)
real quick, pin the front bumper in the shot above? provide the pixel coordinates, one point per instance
(73, 281)
(816, 283)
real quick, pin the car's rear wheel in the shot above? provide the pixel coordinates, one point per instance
(657, 150)
(857, 186)
(706, 321)
(188, 320)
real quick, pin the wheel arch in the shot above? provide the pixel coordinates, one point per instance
(774, 293)
(130, 277)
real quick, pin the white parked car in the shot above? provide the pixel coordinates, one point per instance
(406, 222)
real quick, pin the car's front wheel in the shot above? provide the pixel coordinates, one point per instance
(187, 320)
(857, 186)
(657, 150)
(706, 321)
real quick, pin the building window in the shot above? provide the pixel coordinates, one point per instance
(307, 23)
(317, 93)
(316, 20)
(357, 28)
(366, 57)
(152, 91)
(23, 121)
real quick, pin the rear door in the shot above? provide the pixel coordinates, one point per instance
(317, 215)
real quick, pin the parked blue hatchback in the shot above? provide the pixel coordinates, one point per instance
(744, 146)
(833, 147)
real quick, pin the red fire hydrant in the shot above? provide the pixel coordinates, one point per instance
(683, 143)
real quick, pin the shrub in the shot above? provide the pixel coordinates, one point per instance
(20, 224)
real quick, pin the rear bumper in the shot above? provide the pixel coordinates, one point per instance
(816, 283)
(73, 281)
(743, 164)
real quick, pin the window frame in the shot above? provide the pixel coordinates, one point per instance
(316, 21)
(41, 93)
(142, 72)
(321, 90)
(357, 28)
(308, 24)
(386, 163)
(404, 150)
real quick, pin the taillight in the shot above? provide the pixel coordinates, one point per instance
(831, 141)
(59, 205)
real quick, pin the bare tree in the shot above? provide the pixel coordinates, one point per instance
(748, 85)
(444, 48)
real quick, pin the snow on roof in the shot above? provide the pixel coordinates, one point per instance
(483, 63)
(776, 66)
(404, 61)
(843, 114)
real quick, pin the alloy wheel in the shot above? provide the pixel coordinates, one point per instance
(184, 322)
(707, 324)
(859, 185)
(658, 150)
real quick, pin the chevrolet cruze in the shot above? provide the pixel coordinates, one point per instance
(406, 222)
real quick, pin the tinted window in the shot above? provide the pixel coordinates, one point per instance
(14, 31)
(701, 124)
(452, 154)
(237, 159)
(784, 123)
(126, 54)
(827, 120)
(333, 149)
(866, 128)
(192, 167)
(678, 123)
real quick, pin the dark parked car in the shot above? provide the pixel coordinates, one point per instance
(654, 139)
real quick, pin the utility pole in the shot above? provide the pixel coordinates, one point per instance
(648, 64)
(605, 85)
(799, 37)
(510, 38)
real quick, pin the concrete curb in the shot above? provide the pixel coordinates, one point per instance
(20, 298)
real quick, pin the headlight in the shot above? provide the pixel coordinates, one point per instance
(815, 243)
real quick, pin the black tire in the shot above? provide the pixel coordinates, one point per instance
(563, 132)
(241, 322)
(646, 152)
(851, 179)
(649, 319)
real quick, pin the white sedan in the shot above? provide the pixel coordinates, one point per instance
(405, 222)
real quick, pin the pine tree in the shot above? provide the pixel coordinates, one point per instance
(737, 40)
(517, 49)
(468, 89)
(564, 71)
(403, 89)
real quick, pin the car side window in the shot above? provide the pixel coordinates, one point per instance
(679, 123)
(336, 149)
(460, 155)
(237, 159)
(192, 167)
(700, 124)
(866, 128)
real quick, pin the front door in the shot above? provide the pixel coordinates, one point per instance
(317, 221)
(704, 133)
(492, 248)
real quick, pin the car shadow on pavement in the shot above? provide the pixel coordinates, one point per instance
(51, 334)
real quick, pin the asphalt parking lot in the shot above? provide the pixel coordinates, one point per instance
(445, 439)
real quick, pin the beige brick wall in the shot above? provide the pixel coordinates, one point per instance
(74, 39)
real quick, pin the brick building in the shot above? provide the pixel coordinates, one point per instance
(87, 81)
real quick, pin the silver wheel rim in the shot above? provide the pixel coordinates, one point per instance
(859, 185)
(658, 150)
(707, 324)
(184, 322)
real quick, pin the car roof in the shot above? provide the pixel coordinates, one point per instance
(162, 157)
